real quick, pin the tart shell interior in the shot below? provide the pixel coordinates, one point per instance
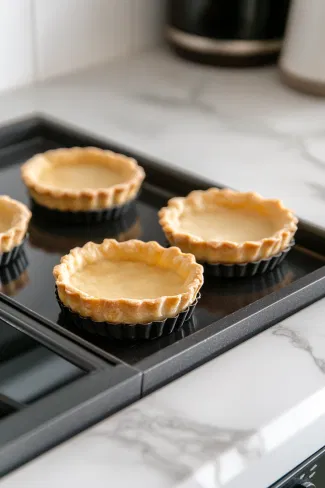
(127, 279)
(8, 215)
(14, 220)
(225, 224)
(78, 171)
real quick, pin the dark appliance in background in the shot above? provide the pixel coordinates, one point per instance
(227, 32)
(309, 474)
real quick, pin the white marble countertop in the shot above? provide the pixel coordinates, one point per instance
(258, 410)
(243, 419)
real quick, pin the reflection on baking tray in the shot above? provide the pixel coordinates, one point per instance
(28, 370)
(131, 351)
(14, 277)
(229, 296)
(60, 239)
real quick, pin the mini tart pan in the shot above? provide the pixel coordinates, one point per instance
(10, 256)
(129, 332)
(115, 345)
(244, 270)
(80, 217)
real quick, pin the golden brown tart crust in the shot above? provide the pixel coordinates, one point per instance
(235, 213)
(42, 173)
(120, 309)
(14, 220)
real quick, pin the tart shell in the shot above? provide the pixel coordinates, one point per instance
(227, 252)
(124, 310)
(87, 199)
(11, 239)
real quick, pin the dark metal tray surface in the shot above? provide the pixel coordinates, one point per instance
(229, 312)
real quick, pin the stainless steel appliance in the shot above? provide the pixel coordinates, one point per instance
(227, 32)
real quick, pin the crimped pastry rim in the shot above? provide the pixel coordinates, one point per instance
(212, 251)
(114, 195)
(13, 236)
(141, 310)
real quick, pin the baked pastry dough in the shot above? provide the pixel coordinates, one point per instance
(133, 282)
(225, 226)
(14, 220)
(82, 179)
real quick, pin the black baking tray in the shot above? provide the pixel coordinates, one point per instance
(229, 312)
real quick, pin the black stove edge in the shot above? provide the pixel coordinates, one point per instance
(51, 339)
(35, 428)
(36, 325)
(64, 413)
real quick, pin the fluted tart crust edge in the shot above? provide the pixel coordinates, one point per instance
(227, 252)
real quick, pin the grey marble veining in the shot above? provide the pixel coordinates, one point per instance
(172, 444)
(301, 343)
